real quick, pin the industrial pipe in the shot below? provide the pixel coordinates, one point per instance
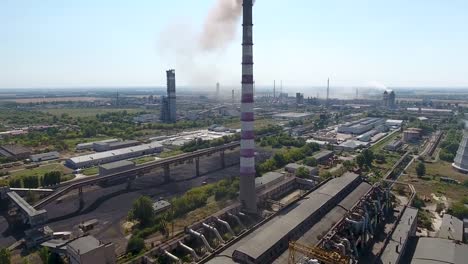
(226, 224)
(215, 231)
(190, 250)
(202, 237)
(237, 219)
(174, 258)
(341, 247)
(346, 242)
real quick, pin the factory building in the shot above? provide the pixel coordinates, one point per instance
(45, 156)
(389, 99)
(15, 152)
(293, 167)
(30, 215)
(106, 146)
(412, 134)
(451, 228)
(292, 116)
(323, 156)
(397, 244)
(270, 240)
(168, 104)
(90, 145)
(360, 126)
(89, 250)
(115, 167)
(113, 155)
(394, 145)
(299, 99)
(460, 162)
(437, 250)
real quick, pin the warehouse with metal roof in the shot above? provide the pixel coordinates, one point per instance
(113, 155)
(271, 239)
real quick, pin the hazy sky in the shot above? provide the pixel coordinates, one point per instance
(57, 43)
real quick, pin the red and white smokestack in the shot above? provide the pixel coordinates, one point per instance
(247, 152)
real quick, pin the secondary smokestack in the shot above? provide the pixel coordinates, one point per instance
(247, 152)
(328, 90)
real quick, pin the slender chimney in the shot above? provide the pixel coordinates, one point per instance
(247, 152)
(328, 90)
(217, 92)
(274, 89)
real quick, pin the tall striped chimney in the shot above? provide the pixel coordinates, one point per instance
(247, 152)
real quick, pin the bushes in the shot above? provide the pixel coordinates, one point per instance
(302, 172)
(310, 161)
(458, 209)
(418, 202)
(135, 245)
(449, 146)
(30, 181)
(284, 157)
(421, 169)
(51, 178)
(142, 210)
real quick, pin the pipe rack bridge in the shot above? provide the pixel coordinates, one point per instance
(139, 170)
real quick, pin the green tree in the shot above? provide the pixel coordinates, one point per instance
(310, 161)
(348, 164)
(5, 256)
(303, 172)
(420, 169)
(30, 181)
(44, 254)
(135, 245)
(142, 210)
(361, 161)
(368, 157)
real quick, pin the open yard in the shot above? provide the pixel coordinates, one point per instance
(40, 171)
(430, 183)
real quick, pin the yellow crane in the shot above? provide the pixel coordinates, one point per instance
(324, 256)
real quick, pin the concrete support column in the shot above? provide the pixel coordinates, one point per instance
(80, 195)
(129, 183)
(197, 166)
(223, 162)
(167, 173)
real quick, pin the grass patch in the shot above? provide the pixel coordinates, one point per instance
(431, 183)
(90, 171)
(379, 146)
(40, 171)
(143, 160)
(171, 153)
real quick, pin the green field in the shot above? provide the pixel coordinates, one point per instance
(382, 143)
(430, 183)
(170, 153)
(90, 171)
(89, 112)
(40, 171)
(143, 160)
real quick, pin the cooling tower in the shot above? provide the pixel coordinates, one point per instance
(461, 160)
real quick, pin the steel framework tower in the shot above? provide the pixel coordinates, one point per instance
(247, 153)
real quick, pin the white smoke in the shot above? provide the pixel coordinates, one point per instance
(190, 58)
(220, 25)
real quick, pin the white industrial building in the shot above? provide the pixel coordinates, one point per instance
(461, 160)
(90, 145)
(360, 126)
(113, 155)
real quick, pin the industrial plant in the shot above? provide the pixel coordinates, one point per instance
(256, 175)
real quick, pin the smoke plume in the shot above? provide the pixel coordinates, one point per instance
(196, 60)
(220, 25)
